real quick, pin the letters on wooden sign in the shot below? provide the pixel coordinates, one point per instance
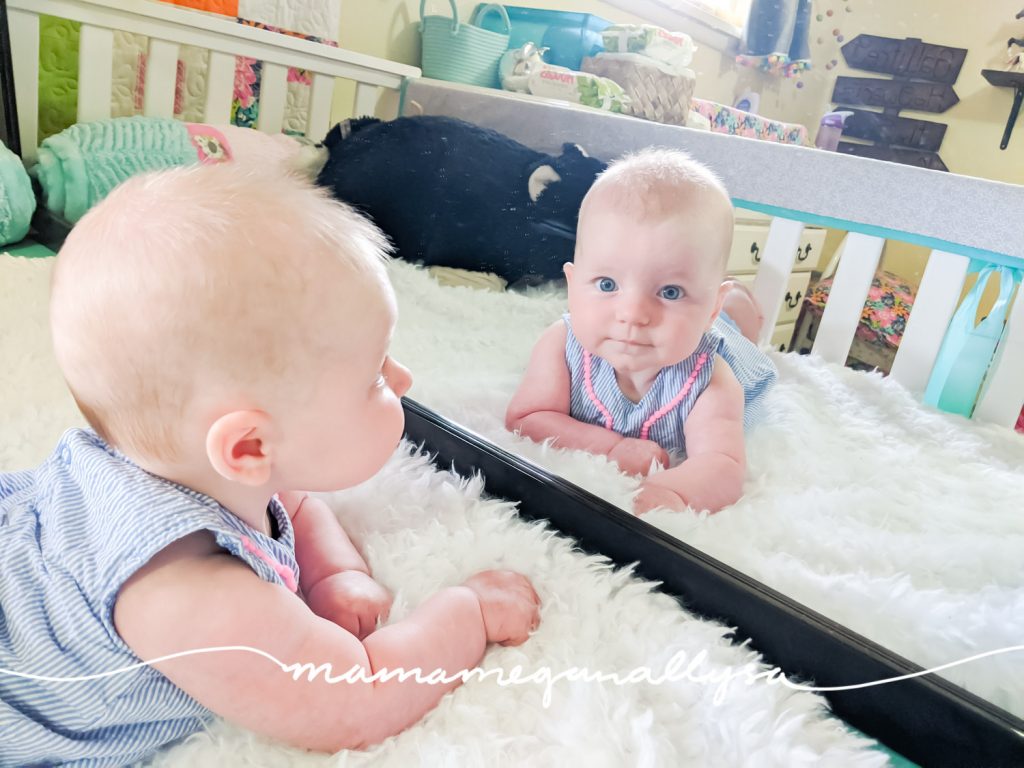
(908, 58)
(894, 94)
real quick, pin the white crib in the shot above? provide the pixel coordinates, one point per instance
(169, 27)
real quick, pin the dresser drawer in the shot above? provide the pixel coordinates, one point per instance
(812, 241)
(796, 290)
(748, 246)
(782, 336)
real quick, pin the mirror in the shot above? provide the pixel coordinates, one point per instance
(899, 522)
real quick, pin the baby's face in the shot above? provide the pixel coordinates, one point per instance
(642, 293)
(353, 420)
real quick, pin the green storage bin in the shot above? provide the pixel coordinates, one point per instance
(463, 53)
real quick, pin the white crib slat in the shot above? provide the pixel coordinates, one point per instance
(1003, 392)
(934, 306)
(161, 79)
(273, 96)
(95, 71)
(780, 249)
(365, 103)
(220, 88)
(24, 31)
(850, 286)
(320, 98)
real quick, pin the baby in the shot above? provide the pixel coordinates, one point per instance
(645, 367)
(226, 336)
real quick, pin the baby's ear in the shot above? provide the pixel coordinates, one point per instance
(567, 269)
(723, 291)
(238, 446)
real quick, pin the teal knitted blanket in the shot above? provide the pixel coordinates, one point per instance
(17, 202)
(79, 166)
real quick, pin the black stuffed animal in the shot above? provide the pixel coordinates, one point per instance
(450, 193)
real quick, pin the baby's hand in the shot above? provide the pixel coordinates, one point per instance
(653, 496)
(510, 607)
(352, 600)
(634, 456)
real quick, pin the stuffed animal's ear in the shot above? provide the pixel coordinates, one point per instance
(568, 148)
(539, 180)
(310, 160)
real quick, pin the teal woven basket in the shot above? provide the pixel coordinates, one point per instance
(463, 53)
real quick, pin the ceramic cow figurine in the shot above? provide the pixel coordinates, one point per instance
(451, 193)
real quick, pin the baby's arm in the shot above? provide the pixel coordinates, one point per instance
(711, 477)
(193, 595)
(540, 410)
(334, 578)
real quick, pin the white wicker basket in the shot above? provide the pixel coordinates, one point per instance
(655, 94)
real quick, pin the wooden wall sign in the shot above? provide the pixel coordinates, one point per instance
(923, 75)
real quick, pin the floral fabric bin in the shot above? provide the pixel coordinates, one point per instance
(736, 122)
(885, 312)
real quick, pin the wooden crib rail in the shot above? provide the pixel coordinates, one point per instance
(935, 302)
(169, 27)
(934, 305)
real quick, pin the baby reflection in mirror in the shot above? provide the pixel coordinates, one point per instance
(654, 365)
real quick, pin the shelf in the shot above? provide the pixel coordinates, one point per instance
(1004, 79)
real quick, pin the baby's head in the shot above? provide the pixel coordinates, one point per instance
(652, 244)
(234, 320)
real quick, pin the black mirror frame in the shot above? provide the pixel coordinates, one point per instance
(926, 719)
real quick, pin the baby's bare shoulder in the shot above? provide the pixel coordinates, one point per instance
(188, 590)
(179, 567)
(557, 330)
(722, 397)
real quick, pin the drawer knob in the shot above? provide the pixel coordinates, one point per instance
(792, 301)
(755, 249)
(802, 254)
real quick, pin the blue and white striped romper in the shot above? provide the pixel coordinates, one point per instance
(595, 396)
(72, 531)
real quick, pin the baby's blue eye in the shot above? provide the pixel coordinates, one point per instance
(671, 292)
(606, 285)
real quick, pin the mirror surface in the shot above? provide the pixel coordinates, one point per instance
(899, 522)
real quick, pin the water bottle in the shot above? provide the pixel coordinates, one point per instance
(830, 130)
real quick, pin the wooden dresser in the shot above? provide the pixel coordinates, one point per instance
(744, 260)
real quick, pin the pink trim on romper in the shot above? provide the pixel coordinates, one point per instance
(589, 386)
(286, 573)
(677, 399)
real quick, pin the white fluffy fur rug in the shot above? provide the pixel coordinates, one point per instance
(906, 554)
